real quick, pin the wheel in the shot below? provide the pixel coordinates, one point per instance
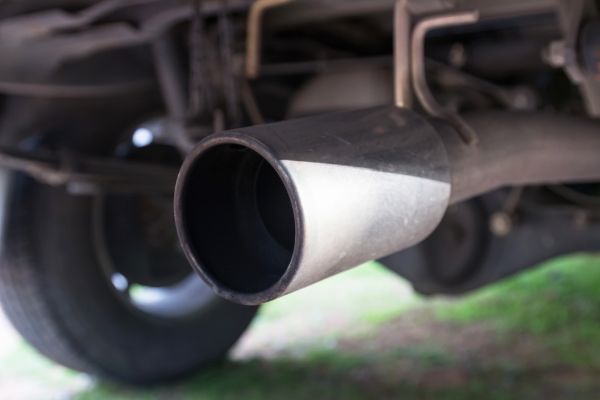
(91, 281)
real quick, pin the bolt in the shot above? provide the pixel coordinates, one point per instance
(501, 224)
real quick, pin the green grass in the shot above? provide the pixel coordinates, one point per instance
(249, 380)
(558, 303)
(324, 343)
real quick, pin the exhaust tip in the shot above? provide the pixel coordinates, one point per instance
(236, 219)
(267, 210)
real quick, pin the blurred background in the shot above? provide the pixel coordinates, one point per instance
(366, 335)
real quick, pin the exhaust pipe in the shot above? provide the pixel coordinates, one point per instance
(267, 210)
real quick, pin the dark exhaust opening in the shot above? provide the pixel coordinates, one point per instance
(238, 218)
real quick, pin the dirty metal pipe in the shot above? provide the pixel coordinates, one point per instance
(521, 148)
(267, 210)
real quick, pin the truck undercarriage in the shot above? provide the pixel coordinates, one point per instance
(456, 141)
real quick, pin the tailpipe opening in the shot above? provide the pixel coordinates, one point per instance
(236, 215)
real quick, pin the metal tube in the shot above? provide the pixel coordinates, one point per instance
(520, 148)
(267, 210)
(402, 55)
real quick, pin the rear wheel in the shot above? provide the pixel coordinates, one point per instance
(98, 283)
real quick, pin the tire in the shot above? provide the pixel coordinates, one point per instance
(52, 285)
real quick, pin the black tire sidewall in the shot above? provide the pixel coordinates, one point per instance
(48, 234)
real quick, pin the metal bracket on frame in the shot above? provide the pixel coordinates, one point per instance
(410, 78)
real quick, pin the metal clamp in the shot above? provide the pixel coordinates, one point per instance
(409, 63)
